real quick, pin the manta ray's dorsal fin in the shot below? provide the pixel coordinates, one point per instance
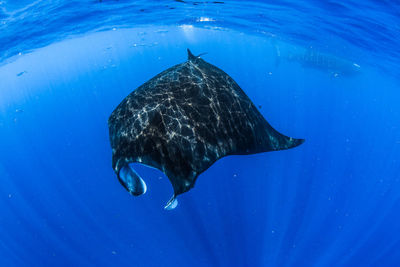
(193, 57)
(190, 55)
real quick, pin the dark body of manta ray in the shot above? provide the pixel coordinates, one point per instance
(182, 121)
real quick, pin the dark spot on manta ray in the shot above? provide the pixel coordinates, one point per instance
(182, 121)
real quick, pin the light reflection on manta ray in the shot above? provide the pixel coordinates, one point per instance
(182, 121)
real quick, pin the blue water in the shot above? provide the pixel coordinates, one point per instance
(324, 71)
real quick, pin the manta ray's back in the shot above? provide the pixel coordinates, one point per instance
(182, 121)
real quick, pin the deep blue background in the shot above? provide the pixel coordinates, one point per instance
(333, 201)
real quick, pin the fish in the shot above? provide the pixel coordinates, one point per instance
(182, 121)
(21, 73)
(313, 59)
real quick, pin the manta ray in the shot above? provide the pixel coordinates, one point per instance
(182, 121)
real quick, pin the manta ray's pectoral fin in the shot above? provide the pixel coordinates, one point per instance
(132, 181)
(172, 203)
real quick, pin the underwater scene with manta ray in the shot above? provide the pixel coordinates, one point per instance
(199, 133)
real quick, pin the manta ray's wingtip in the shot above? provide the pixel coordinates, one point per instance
(286, 142)
(296, 142)
(300, 141)
(279, 141)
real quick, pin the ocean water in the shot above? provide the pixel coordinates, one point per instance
(326, 71)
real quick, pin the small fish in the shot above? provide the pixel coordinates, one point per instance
(312, 58)
(21, 73)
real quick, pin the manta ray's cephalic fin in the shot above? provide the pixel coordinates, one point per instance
(132, 181)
